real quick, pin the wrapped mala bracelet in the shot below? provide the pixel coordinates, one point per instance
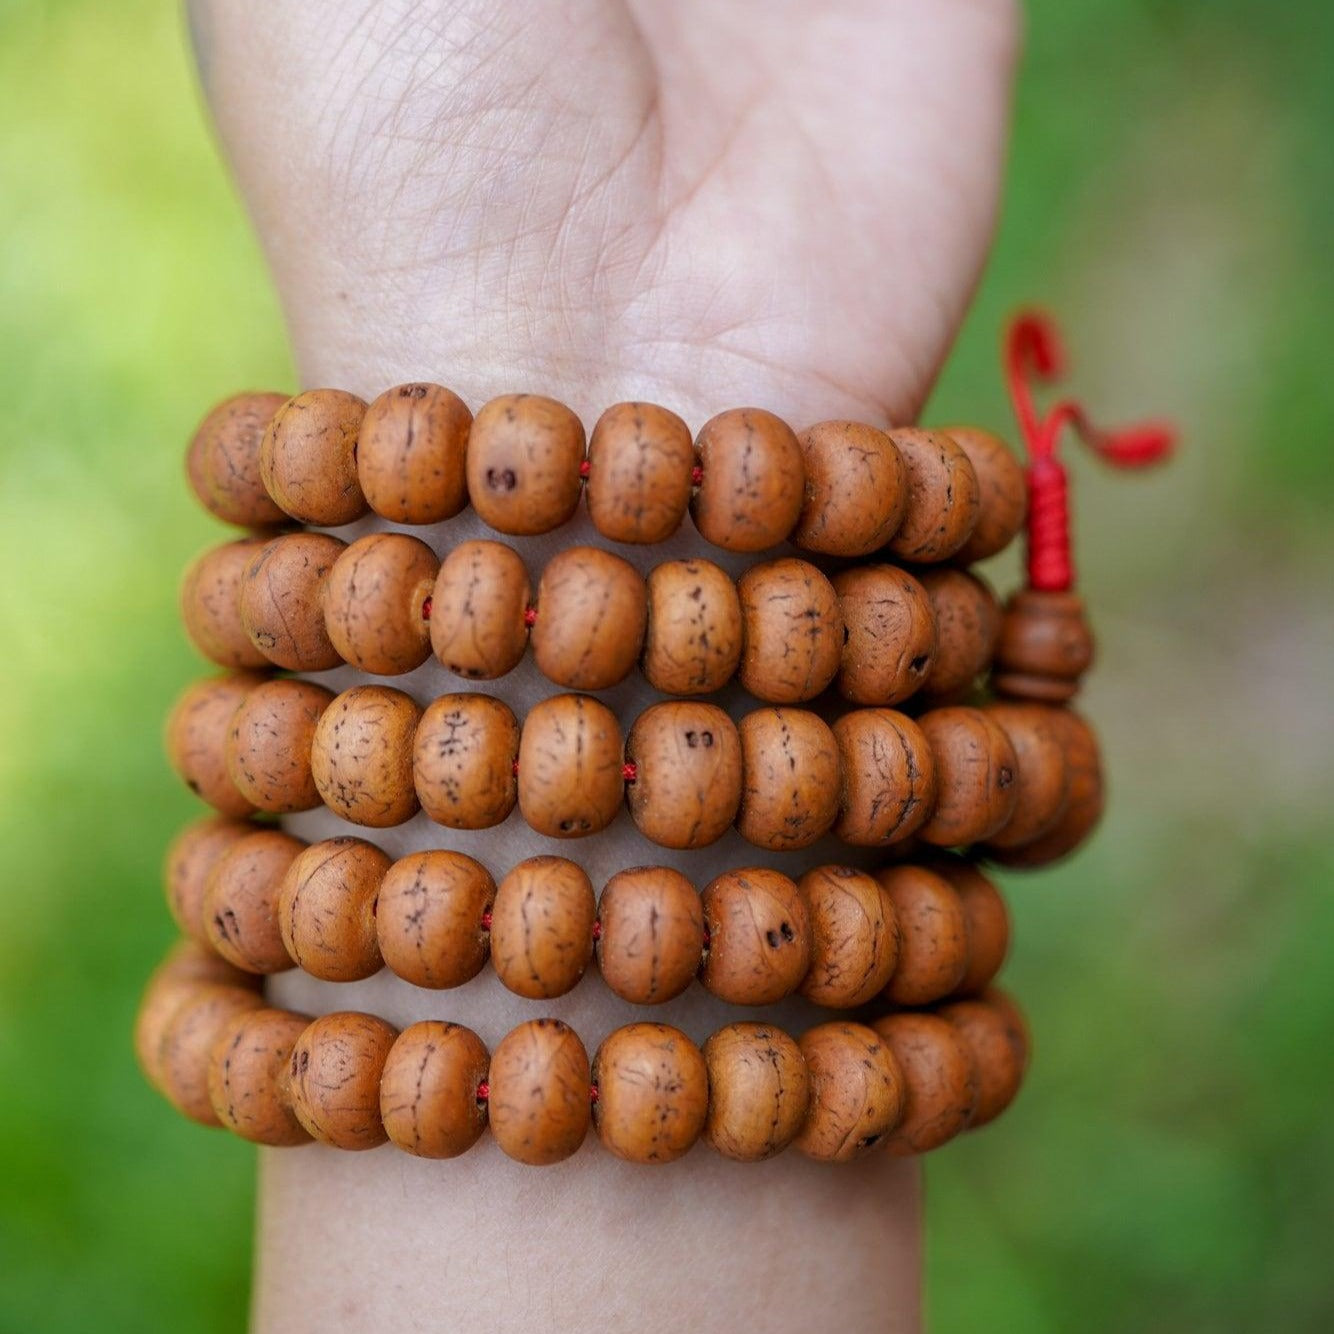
(908, 1081)
(340, 909)
(783, 777)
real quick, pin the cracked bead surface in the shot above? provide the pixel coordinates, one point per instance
(591, 609)
(327, 909)
(373, 600)
(570, 781)
(240, 909)
(933, 935)
(976, 771)
(428, 1089)
(187, 1039)
(856, 1092)
(542, 927)
(282, 601)
(993, 1031)
(753, 480)
(223, 460)
(211, 605)
(944, 500)
(967, 618)
(687, 787)
(790, 761)
(430, 918)
(653, 1093)
(248, 1071)
(308, 457)
(411, 450)
(1002, 492)
(477, 610)
(759, 1091)
(362, 756)
(523, 464)
(793, 631)
(889, 777)
(759, 937)
(986, 922)
(890, 644)
(651, 941)
(640, 458)
(939, 1089)
(268, 746)
(854, 937)
(463, 757)
(538, 1098)
(856, 489)
(190, 860)
(693, 632)
(1042, 782)
(335, 1078)
(196, 739)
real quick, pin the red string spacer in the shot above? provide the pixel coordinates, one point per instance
(483, 1091)
(486, 920)
(530, 616)
(629, 771)
(1034, 351)
(426, 609)
(696, 475)
(584, 469)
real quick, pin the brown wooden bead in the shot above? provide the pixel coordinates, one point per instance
(1084, 803)
(651, 940)
(1045, 647)
(308, 457)
(640, 458)
(428, 1090)
(211, 605)
(190, 859)
(523, 464)
(188, 962)
(248, 1070)
(542, 927)
(993, 1031)
(967, 618)
(856, 1092)
(269, 744)
(753, 480)
(986, 922)
(477, 610)
(430, 918)
(933, 935)
(570, 780)
(856, 489)
(362, 756)
(412, 446)
(854, 936)
(692, 640)
(188, 1038)
(653, 1093)
(889, 777)
(240, 909)
(591, 610)
(223, 461)
(196, 739)
(282, 600)
(939, 1089)
(1002, 492)
(759, 1091)
(538, 1097)
(793, 777)
(976, 769)
(890, 645)
(463, 761)
(373, 601)
(759, 937)
(1042, 780)
(326, 909)
(334, 1073)
(793, 631)
(944, 498)
(687, 785)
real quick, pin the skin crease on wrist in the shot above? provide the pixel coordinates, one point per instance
(702, 203)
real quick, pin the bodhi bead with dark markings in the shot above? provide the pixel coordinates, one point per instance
(307, 459)
(223, 461)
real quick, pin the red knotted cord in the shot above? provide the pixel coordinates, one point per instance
(1033, 351)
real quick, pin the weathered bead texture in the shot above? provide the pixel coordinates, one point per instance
(639, 465)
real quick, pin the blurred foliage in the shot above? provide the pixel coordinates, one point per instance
(1172, 195)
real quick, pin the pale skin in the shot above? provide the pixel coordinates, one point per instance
(706, 204)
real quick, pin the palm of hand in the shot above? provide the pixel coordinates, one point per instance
(703, 203)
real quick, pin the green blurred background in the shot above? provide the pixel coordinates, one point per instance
(1171, 1164)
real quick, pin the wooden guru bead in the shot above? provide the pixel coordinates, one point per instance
(693, 632)
(282, 601)
(542, 927)
(1045, 646)
(268, 744)
(412, 447)
(477, 620)
(327, 909)
(793, 777)
(967, 618)
(538, 1092)
(890, 642)
(889, 777)
(570, 780)
(428, 1089)
(856, 1092)
(361, 756)
(240, 908)
(939, 1085)
(759, 1091)
(944, 499)
(854, 935)
(190, 859)
(933, 935)
(196, 739)
(759, 937)
(793, 628)
(248, 1071)
(976, 772)
(640, 459)
(856, 489)
(334, 1073)
(1002, 493)
(651, 934)
(308, 457)
(463, 757)
(211, 605)
(223, 461)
